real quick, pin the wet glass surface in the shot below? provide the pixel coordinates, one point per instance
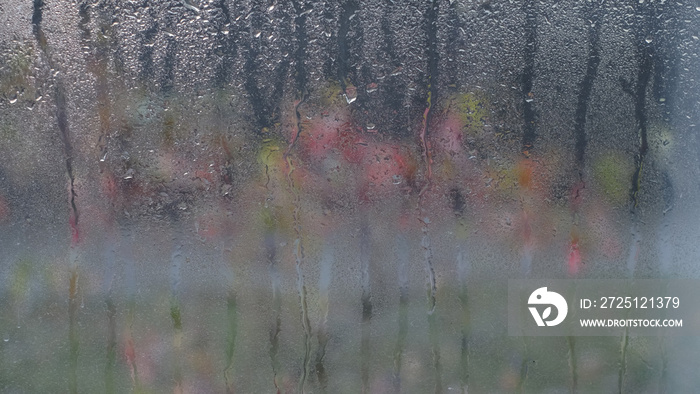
(307, 196)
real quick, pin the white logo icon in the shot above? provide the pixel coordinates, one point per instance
(543, 297)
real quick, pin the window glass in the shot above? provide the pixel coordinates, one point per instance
(320, 196)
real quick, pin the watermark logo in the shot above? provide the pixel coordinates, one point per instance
(543, 297)
(603, 307)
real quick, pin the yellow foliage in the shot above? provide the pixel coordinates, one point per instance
(472, 109)
(612, 173)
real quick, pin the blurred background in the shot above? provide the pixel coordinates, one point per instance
(329, 197)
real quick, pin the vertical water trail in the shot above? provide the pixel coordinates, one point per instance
(270, 242)
(97, 64)
(645, 56)
(65, 136)
(645, 53)
(148, 35)
(396, 113)
(300, 77)
(433, 329)
(593, 20)
(176, 260)
(528, 141)
(525, 366)
(306, 324)
(349, 8)
(573, 365)
(622, 372)
(430, 271)
(403, 260)
(366, 299)
(664, 245)
(632, 259)
(231, 334)
(665, 251)
(130, 347)
(110, 257)
(528, 248)
(270, 230)
(525, 268)
(427, 156)
(299, 259)
(264, 108)
(130, 280)
(430, 25)
(229, 267)
(667, 61)
(170, 59)
(633, 255)
(300, 74)
(664, 386)
(226, 37)
(529, 118)
(463, 264)
(324, 282)
(73, 338)
(96, 60)
(351, 36)
(528, 77)
(231, 320)
(463, 270)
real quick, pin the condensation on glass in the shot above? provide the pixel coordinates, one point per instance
(306, 196)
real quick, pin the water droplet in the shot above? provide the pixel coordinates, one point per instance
(350, 94)
(6, 339)
(648, 40)
(190, 6)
